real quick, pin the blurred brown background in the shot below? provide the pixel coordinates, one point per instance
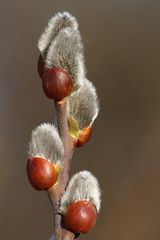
(122, 48)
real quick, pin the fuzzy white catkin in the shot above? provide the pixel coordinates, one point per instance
(46, 143)
(66, 50)
(82, 186)
(52, 237)
(55, 24)
(83, 104)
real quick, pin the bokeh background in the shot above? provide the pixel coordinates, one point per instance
(122, 48)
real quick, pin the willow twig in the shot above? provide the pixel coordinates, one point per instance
(56, 192)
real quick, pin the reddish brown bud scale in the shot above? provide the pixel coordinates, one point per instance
(57, 83)
(40, 66)
(84, 136)
(41, 173)
(81, 216)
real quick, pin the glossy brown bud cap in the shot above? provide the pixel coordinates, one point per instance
(40, 66)
(84, 137)
(57, 83)
(41, 173)
(81, 216)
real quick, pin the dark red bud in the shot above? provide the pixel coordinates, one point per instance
(81, 216)
(57, 83)
(84, 136)
(41, 173)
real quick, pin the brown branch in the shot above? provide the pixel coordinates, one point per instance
(56, 192)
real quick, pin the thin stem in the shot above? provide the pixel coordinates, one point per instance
(62, 120)
(54, 199)
(56, 192)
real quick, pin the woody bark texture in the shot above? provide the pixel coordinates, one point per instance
(56, 192)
